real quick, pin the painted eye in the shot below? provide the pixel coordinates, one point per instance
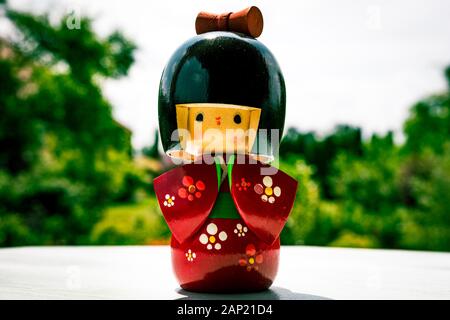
(237, 119)
(199, 117)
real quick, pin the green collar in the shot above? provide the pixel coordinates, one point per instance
(224, 206)
(229, 170)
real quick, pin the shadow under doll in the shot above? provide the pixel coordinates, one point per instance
(273, 293)
(233, 283)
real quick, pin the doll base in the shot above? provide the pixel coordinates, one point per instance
(240, 264)
(229, 280)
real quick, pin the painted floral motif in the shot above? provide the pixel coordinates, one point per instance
(212, 239)
(240, 230)
(267, 192)
(169, 201)
(252, 259)
(190, 256)
(191, 190)
(243, 185)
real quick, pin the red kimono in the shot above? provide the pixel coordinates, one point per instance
(225, 239)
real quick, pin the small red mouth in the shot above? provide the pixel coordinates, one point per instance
(218, 120)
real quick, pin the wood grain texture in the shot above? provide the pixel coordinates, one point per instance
(145, 273)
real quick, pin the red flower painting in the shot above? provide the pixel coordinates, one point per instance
(191, 190)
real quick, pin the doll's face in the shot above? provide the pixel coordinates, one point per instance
(216, 128)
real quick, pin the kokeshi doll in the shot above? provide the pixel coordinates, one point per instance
(221, 113)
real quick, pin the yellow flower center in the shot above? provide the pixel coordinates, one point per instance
(170, 200)
(212, 239)
(191, 188)
(251, 261)
(268, 191)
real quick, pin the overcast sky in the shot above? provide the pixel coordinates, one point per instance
(358, 62)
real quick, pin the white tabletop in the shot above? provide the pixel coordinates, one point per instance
(145, 273)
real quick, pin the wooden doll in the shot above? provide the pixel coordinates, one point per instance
(221, 111)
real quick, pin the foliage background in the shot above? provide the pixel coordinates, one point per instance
(69, 174)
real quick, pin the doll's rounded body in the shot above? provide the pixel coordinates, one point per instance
(224, 255)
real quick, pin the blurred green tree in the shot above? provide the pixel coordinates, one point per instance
(153, 150)
(320, 153)
(66, 155)
(366, 188)
(428, 126)
(312, 221)
(377, 193)
(428, 224)
(424, 177)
